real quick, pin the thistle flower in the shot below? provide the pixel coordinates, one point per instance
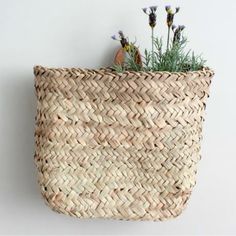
(121, 34)
(170, 20)
(151, 12)
(170, 15)
(123, 40)
(177, 33)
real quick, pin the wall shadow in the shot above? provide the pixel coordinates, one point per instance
(19, 106)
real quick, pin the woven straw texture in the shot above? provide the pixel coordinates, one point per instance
(121, 146)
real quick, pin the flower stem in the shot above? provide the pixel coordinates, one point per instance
(152, 48)
(168, 39)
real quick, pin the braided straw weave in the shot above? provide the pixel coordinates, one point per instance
(121, 146)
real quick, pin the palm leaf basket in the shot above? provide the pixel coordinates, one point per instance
(121, 146)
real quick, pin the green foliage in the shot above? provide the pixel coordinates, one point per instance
(118, 68)
(130, 60)
(172, 58)
(176, 59)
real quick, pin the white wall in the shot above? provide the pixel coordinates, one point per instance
(77, 33)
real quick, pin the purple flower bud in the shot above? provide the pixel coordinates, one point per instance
(178, 34)
(145, 10)
(173, 27)
(113, 37)
(120, 32)
(168, 8)
(153, 8)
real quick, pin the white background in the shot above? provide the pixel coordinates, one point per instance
(77, 33)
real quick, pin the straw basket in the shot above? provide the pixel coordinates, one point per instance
(121, 146)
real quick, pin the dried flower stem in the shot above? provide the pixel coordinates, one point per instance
(168, 39)
(152, 47)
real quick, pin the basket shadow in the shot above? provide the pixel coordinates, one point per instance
(19, 105)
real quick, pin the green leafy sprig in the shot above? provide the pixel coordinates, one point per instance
(173, 58)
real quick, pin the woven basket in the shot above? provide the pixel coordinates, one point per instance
(121, 146)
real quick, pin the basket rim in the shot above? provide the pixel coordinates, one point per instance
(38, 70)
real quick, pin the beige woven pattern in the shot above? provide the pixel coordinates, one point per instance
(121, 146)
